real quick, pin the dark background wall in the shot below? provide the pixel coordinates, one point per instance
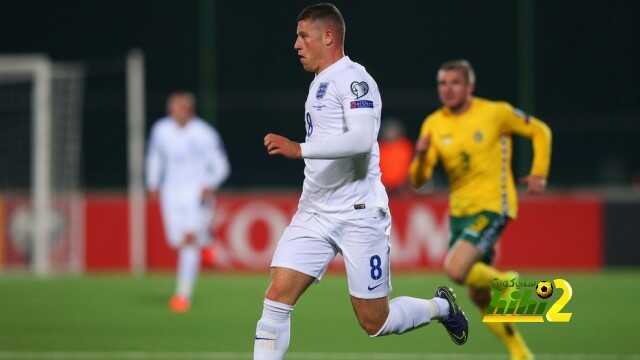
(583, 77)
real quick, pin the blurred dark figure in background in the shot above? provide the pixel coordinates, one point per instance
(396, 152)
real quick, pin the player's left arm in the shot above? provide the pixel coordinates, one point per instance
(217, 163)
(516, 122)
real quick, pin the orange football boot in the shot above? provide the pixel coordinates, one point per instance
(179, 304)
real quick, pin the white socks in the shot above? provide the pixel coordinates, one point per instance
(188, 267)
(273, 331)
(405, 313)
(443, 307)
(408, 313)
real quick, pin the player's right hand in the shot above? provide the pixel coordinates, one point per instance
(280, 145)
(422, 145)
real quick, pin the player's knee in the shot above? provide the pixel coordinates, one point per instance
(480, 297)
(372, 322)
(275, 293)
(280, 293)
(189, 239)
(370, 326)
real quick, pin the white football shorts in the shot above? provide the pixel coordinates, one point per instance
(182, 217)
(313, 239)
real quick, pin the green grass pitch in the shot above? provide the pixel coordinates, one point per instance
(118, 316)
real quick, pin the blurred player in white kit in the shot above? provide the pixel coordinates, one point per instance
(186, 163)
(343, 208)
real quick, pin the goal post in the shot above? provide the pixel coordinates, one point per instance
(136, 139)
(41, 106)
(41, 199)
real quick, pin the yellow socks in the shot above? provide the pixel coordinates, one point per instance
(481, 275)
(511, 338)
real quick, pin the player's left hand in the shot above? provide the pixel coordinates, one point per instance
(535, 184)
(280, 145)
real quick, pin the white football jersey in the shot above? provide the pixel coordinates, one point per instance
(345, 186)
(181, 161)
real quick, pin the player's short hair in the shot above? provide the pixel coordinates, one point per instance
(182, 94)
(462, 65)
(325, 12)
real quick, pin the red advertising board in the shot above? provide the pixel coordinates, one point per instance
(559, 232)
(107, 232)
(17, 233)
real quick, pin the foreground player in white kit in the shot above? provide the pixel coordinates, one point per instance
(186, 163)
(343, 208)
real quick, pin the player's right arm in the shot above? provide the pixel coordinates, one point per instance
(358, 139)
(360, 115)
(154, 162)
(425, 158)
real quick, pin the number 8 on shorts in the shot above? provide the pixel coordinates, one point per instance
(376, 270)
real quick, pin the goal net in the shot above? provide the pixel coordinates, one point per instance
(41, 211)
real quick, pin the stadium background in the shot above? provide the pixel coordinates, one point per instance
(571, 63)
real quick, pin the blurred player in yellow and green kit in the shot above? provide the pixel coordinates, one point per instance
(471, 136)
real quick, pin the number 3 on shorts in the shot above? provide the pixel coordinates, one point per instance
(376, 270)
